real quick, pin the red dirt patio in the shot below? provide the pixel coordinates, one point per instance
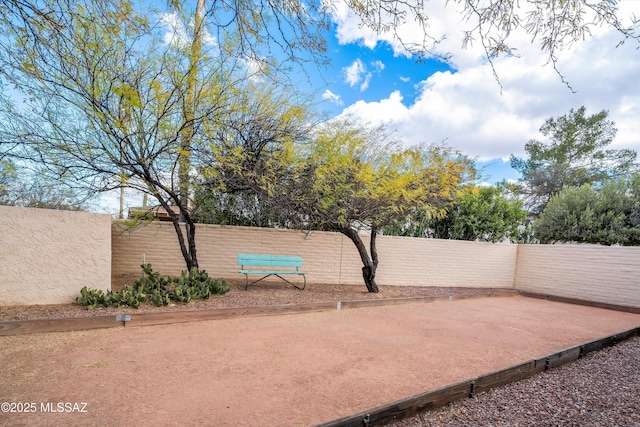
(285, 370)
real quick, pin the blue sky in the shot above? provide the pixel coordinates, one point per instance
(462, 104)
(361, 74)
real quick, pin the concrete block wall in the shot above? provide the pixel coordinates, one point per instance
(47, 256)
(435, 262)
(327, 257)
(156, 244)
(602, 274)
(217, 249)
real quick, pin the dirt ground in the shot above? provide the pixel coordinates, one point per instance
(288, 370)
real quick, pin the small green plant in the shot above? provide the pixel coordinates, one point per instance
(132, 297)
(158, 289)
(113, 299)
(90, 298)
(160, 298)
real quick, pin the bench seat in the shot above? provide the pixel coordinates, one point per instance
(270, 272)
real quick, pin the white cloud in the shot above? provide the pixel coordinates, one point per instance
(387, 111)
(467, 109)
(254, 67)
(176, 31)
(365, 82)
(378, 66)
(332, 97)
(356, 73)
(443, 16)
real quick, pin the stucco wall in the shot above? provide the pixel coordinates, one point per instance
(601, 274)
(47, 256)
(327, 257)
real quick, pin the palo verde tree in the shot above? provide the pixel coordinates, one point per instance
(352, 179)
(248, 151)
(575, 154)
(105, 102)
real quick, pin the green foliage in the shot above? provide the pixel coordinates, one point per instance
(90, 298)
(251, 152)
(609, 215)
(352, 174)
(482, 214)
(36, 188)
(160, 290)
(353, 177)
(7, 176)
(478, 214)
(575, 155)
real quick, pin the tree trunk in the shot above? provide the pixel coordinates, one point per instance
(184, 160)
(369, 275)
(188, 131)
(121, 209)
(191, 240)
(370, 264)
(187, 248)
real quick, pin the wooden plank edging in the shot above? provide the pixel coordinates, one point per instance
(411, 300)
(616, 307)
(148, 319)
(19, 327)
(437, 398)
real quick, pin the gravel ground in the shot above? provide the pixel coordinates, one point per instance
(601, 389)
(263, 294)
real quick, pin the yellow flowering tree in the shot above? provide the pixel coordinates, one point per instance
(356, 180)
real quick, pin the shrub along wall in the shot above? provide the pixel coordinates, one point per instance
(47, 256)
(327, 257)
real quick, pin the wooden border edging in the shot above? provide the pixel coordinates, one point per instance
(616, 307)
(409, 300)
(19, 327)
(148, 319)
(413, 405)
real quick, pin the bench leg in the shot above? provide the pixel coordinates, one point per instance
(246, 286)
(293, 284)
(253, 283)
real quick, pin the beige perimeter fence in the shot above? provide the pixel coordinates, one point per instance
(46, 256)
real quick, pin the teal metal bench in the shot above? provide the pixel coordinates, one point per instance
(270, 265)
